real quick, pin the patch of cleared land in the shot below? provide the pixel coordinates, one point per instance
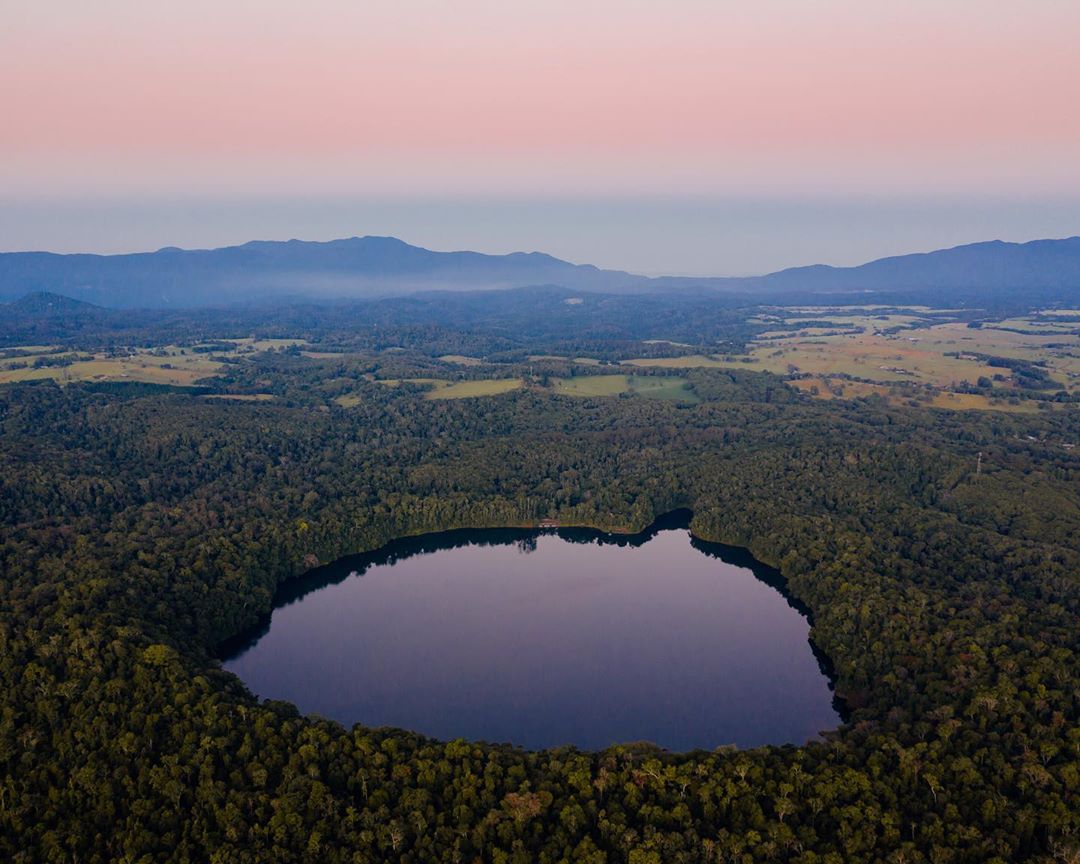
(689, 361)
(182, 370)
(27, 358)
(169, 364)
(31, 349)
(874, 357)
(581, 361)
(652, 387)
(461, 360)
(251, 344)
(241, 397)
(839, 388)
(442, 389)
(901, 345)
(466, 389)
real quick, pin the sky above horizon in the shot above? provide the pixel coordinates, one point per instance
(170, 108)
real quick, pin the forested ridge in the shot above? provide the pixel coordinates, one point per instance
(143, 527)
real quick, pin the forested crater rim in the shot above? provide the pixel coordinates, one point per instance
(296, 588)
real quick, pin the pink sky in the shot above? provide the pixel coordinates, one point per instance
(555, 97)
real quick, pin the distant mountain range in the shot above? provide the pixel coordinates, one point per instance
(367, 267)
(994, 266)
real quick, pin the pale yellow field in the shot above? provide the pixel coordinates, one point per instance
(978, 402)
(581, 361)
(442, 389)
(1059, 350)
(839, 388)
(990, 340)
(1041, 325)
(802, 332)
(147, 368)
(690, 361)
(877, 358)
(916, 354)
(465, 389)
(611, 385)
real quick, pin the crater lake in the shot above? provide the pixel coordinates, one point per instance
(544, 638)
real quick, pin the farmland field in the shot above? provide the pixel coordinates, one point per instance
(581, 361)
(443, 389)
(241, 397)
(250, 344)
(461, 360)
(152, 368)
(912, 346)
(651, 387)
(689, 361)
(838, 388)
(466, 389)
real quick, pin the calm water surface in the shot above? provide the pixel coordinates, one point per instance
(548, 638)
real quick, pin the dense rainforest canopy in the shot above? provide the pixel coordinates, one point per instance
(938, 552)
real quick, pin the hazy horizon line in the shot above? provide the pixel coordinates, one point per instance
(472, 251)
(695, 236)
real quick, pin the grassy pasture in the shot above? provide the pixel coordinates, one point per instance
(1060, 351)
(169, 364)
(991, 340)
(978, 402)
(917, 355)
(32, 349)
(185, 370)
(690, 361)
(877, 358)
(250, 345)
(802, 332)
(241, 397)
(442, 389)
(839, 388)
(1040, 325)
(581, 361)
(461, 360)
(30, 357)
(591, 385)
(651, 387)
(466, 389)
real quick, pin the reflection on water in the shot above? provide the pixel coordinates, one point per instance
(547, 638)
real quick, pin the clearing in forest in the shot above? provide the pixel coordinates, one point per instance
(650, 386)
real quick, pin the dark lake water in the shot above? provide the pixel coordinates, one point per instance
(547, 638)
